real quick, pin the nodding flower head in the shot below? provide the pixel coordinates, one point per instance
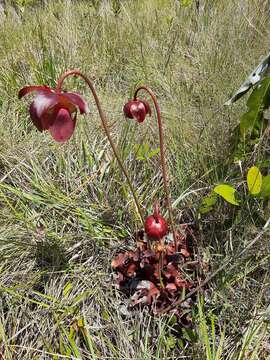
(137, 109)
(55, 110)
(155, 225)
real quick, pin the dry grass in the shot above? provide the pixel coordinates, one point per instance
(65, 209)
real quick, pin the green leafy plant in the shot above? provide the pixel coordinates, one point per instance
(227, 192)
(143, 152)
(257, 186)
(248, 133)
(265, 187)
(208, 203)
(254, 180)
(253, 122)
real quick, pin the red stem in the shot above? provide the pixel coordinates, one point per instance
(162, 158)
(106, 130)
(160, 269)
(156, 211)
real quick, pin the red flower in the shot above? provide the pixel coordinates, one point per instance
(54, 110)
(155, 225)
(137, 109)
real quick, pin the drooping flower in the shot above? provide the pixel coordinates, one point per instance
(155, 225)
(137, 109)
(55, 111)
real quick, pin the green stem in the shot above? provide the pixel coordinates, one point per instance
(106, 130)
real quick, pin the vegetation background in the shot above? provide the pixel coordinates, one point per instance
(65, 209)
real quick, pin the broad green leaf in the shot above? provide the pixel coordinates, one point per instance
(254, 180)
(260, 96)
(227, 192)
(253, 119)
(250, 120)
(265, 189)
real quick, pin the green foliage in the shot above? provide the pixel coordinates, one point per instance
(251, 129)
(212, 345)
(208, 203)
(253, 123)
(265, 188)
(186, 2)
(254, 180)
(227, 192)
(143, 151)
(257, 185)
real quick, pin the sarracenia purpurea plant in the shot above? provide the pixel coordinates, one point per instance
(56, 111)
(138, 109)
(152, 273)
(154, 265)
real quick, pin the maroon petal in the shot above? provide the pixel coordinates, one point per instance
(126, 109)
(76, 100)
(63, 126)
(42, 109)
(138, 110)
(147, 107)
(36, 120)
(27, 89)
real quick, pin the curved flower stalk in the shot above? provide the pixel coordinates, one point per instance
(138, 109)
(56, 111)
